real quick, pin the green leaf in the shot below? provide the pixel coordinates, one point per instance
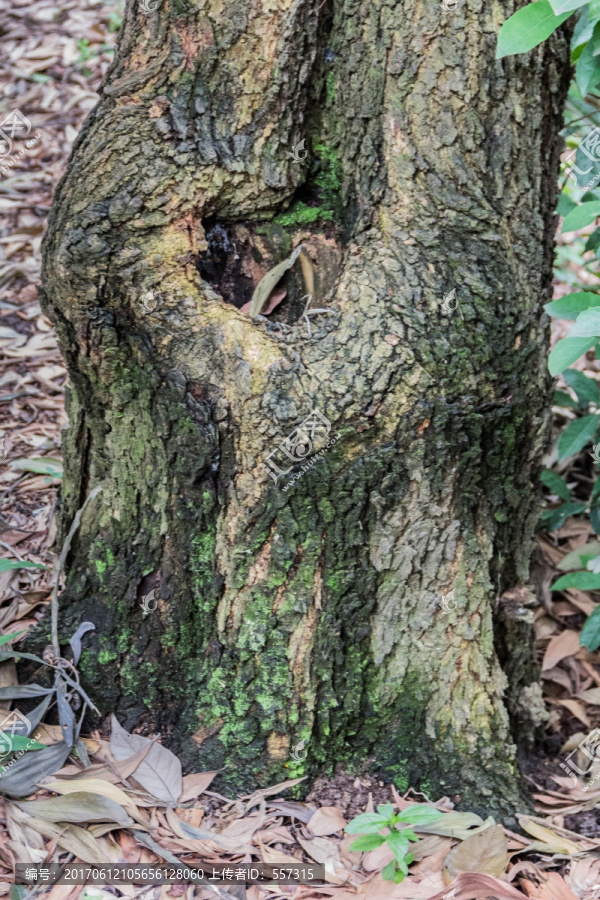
(582, 215)
(5, 638)
(594, 564)
(556, 484)
(20, 742)
(583, 581)
(561, 398)
(398, 844)
(367, 842)
(584, 28)
(570, 306)
(389, 871)
(387, 810)
(568, 351)
(579, 557)
(419, 814)
(590, 633)
(594, 9)
(595, 518)
(7, 564)
(402, 867)
(366, 823)
(527, 28)
(586, 388)
(593, 242)
(41, 465)
(565, 205)
(587, 324)
(562, 6)
(587, 71)
(554, 518)
(576, 435)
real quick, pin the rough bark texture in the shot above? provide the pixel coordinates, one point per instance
(310, 614)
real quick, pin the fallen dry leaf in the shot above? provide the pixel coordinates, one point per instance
(577, 709)
(194, 785)
(273, 857)
(159, 773)
(564, 644)
(94, 786)
(327, 820)
(485, 852)
(375, 860)
(592, 695)
(554, 842)
(477, 886)
(553, 888)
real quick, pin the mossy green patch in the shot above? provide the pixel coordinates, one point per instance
(301, 214)
(325, 182)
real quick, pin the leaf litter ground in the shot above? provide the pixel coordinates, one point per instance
(132, 804)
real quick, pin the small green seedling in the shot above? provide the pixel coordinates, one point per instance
(370, 824)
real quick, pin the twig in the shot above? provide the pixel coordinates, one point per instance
(11, 487)
(61, 561)
(310, 312)
(11, 550)
(21, 359)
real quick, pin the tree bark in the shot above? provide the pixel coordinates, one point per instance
(311, 613)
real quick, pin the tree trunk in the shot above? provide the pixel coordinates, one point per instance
(351, 611)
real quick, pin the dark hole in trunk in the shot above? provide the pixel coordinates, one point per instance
(222, 264)
(239, 255)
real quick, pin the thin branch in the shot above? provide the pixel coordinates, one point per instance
(61, 561)
(11, 550)
(310, 312)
